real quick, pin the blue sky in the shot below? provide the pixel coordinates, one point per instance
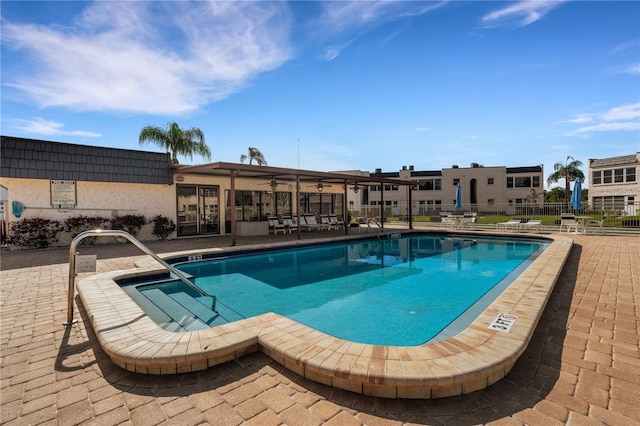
(336, 85)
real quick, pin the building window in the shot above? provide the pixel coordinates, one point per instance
(523, 182)
(614, 176)
(631, 174)
(456, 181)
(608, 203)
(618, 175)
(489, 181)
(430, 185)
(597, 178)
(535, 181)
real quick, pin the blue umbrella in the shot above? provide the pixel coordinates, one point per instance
(576, 196)
(458, 205)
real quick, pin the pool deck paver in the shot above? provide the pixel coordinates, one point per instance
(582, 365)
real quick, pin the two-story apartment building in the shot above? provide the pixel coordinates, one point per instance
(613, 184)
(494, 188)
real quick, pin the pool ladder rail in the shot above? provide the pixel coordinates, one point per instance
(118, 233)
(380, 228)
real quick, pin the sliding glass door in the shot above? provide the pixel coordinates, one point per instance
(198, 210)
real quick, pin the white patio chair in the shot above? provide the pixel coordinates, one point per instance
(290, 223)
(337, 223)
(275, 226)
(597, 225)
(569, 221)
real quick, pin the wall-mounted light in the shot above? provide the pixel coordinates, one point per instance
(356, 188)
(319, 186)
(179, 178)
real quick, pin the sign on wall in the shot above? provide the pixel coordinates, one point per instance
(63, 194)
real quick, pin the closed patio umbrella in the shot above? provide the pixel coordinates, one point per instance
(576, 196)
(458, 205)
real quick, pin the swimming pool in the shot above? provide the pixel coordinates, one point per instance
(403, 292)
(469, 360)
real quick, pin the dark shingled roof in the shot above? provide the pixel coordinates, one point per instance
(37, 159)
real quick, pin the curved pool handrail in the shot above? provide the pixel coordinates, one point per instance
(118, 233)
(370, 229)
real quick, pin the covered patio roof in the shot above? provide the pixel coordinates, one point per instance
(280, 173)
(247, 171)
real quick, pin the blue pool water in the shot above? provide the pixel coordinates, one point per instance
(401, 292)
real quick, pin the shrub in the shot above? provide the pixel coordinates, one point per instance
(163, 227)
(77, 224)
(35, 232)
(129, 222)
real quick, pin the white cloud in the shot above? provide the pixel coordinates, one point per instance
(355, 17)
(580, 119)
(150, 57)
(622, 48)
(332, 52)
(422, 129)
(343, 15)
(40, 126)
(632, 69)
(520, 13)
(620, 118)
(623, 112)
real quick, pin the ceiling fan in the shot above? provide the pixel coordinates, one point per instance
(320, 186)
(273, 184)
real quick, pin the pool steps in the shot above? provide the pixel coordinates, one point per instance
(471, 360)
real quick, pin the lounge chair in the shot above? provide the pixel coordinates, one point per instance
(275, 226)
(337, 223)
(511, 224)
(310, 223)
(530, 225)
(325, 223)
(569, 221)
(290, 223)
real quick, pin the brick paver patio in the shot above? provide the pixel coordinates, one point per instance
(582, 366)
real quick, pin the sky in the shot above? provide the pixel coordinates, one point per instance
(333, 85)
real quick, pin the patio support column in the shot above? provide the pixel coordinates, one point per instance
(410, 207)
(232, 205)
(345, 211)
(298, 205)
(382, 205)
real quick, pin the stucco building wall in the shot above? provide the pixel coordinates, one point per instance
(104, 199)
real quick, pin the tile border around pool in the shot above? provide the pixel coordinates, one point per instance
(472, 360)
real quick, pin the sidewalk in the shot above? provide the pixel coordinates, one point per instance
(582, 365)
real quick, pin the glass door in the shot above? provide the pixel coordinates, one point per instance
(197, 208)
(209, 214)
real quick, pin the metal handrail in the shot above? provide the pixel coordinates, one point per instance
(379, 227)
(117, 233)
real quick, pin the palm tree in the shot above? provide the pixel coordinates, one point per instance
(254, 154)
(570, 170)
(176, 140)
(532, 200)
